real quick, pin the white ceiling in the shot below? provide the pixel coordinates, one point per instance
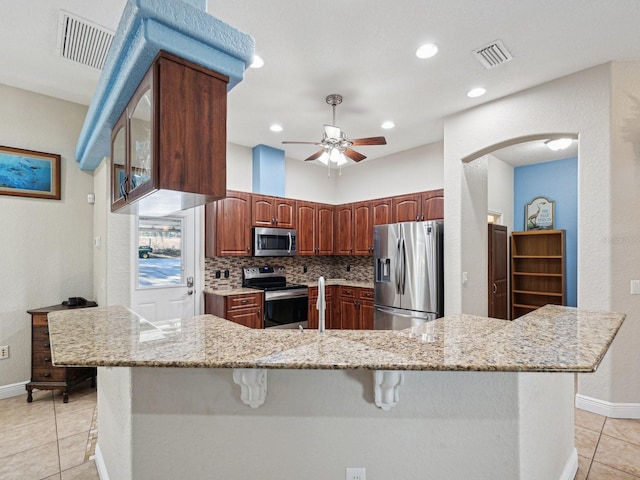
(361, 49)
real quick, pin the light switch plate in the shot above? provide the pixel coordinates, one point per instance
(635, 287)
(356, 474)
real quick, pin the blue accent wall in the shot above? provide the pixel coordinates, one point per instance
(557, 181)
(268, 171)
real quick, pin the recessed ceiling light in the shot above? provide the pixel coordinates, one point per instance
(276, 127)
(476, 92)
(427, 51)
(388, 125)
(558, 144)
(257, 62)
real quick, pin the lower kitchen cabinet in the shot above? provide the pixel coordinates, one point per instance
(330, 311)
(44, 376)
(355, 307)
(245, 308)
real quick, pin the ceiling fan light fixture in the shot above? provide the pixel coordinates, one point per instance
(324, 158)
(335, 156)
(388, 125)
(558, 143)
(276, 127)
(427, 50)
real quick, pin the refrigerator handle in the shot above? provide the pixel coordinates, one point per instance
(404, 265)
(398, 267)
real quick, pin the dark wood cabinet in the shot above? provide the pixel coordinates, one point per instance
(355, 307)
(330, 311)
(315, 228)
(268, 211)
(538, 270)
(228, 226)
(244, 308)
(170, 142)
(418, 207)
(344, 230)
(366, 215)
(44, 376)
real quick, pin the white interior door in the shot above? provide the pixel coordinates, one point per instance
(164, 267)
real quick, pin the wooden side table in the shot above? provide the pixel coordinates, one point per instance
(44, 376)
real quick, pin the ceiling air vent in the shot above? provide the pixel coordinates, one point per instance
(492, 55)
(82, 41)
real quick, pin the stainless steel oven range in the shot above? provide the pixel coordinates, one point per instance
(285, 304)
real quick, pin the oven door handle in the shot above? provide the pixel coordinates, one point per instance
(285, 294)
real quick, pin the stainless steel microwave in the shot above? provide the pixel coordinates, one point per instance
(274, 242)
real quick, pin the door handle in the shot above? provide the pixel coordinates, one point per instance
(495, 288)
(189, 282)
(189, 292)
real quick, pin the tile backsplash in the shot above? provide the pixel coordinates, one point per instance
(360, 268)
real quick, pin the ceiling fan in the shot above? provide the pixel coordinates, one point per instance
(335, 145)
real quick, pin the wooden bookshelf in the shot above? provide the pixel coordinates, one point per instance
(538, 272)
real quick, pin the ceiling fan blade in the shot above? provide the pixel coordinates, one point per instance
(314, 156)
(353, 155)
(369, 141)
(302, 143)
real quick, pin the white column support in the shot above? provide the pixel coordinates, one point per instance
(253, 385)
(386, 385)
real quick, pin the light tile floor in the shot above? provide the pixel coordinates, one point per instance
(50, 440)
(608, 448)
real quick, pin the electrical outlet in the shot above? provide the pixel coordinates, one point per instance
(356, 474)
(218, 274)
(226, 274)
(348, 268)
(304, 269)
(4, 352)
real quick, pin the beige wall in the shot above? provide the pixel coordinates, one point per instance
(599, 106)
(46, 247)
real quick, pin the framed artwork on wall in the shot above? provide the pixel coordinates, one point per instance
(538, 214)
(26, 173)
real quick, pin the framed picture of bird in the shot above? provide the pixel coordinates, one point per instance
(538, 214)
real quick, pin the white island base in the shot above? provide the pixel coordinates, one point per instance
(189, 423)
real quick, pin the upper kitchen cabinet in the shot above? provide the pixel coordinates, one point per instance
(417, 207)
(344, 229)
(168, 148)
(365, 216)
(315, 228)
(268, 211)
(228, 226)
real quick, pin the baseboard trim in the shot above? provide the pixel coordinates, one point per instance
(12, 390)
(608, 409)
(571, 467)
(100, 466)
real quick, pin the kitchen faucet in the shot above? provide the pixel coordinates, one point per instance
(321, 304)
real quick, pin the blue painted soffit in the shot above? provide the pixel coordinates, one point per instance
(146, 27)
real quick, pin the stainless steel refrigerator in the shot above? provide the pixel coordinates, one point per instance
(409, 278)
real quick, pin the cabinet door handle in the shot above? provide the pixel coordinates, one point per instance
(244, 301)
(249, 249)
(47, 359)
(273, 220)
(276, 220)
(495, 288)
(46, 345)
(47, 375)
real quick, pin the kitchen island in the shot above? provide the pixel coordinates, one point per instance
(460, 397)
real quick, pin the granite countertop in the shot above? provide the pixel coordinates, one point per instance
(232, 291)
(328, 282)
(341, 282)
(550, 339)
